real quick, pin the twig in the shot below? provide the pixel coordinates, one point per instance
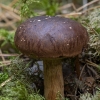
(95, 73)
(90, 9)
(2, 56)
(5, 63)
(8, 62)
(15, 15)
(94, 1)
(4, 83)
(72, 14)
(67, 6)
(82, 71)
(8, 55)
(7, 21)
(9, 8)
(92, 64)
(76, 92)
(13, 2)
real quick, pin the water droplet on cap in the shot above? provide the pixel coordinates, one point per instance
(39, 20)
(70, 27)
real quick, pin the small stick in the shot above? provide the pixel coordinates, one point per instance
(13, 2)
(7, 21)
(4, 83)
(81, 72)
(67, 6)
(92, 64)
(1, 66)
(9, 8)
(90, 9)
(2, 56)
(15, 15)
(5, 62)
(95, 73)
(94, 1)
(8, 55)
(72, 14)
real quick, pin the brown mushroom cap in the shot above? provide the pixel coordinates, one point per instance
(45, 36)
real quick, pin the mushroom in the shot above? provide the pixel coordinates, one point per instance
(51, 39)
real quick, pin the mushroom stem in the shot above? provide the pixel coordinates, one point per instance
(53, 79)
